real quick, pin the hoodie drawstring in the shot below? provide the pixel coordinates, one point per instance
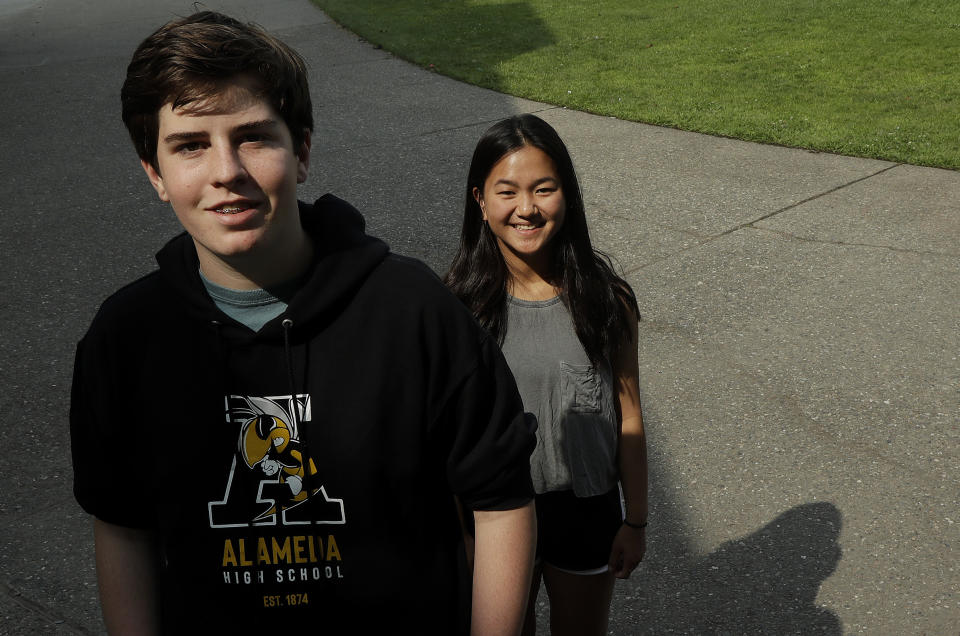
(287, 325)
(221, 357)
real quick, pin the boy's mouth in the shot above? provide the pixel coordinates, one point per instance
(233, 207)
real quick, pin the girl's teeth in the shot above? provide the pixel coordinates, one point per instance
(230, 210)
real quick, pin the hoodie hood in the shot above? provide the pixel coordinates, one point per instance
(344, 255)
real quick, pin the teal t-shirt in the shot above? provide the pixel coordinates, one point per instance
(251, 307)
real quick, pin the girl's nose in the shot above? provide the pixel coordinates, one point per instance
(527, 206)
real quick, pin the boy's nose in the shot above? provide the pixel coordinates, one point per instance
(227, 168)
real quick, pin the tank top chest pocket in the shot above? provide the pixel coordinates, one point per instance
(580, 388)
(588, 428)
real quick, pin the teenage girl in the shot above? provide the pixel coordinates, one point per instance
(567, 325)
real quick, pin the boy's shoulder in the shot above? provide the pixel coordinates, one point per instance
(172, 289)
(137, 306)
(406, 290)
(133, 299)
(410, 268)
(414, 280)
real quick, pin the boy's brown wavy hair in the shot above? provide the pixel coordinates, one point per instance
(194, 59)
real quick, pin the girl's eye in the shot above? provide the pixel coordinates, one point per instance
(505, 193)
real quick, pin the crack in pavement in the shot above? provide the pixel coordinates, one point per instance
(39, 609)
(751, 224)
(432, 131)
(814, 197)
(891, 248)
(437, 131)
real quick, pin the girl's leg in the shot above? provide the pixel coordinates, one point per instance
(530, 622)
(579, 604)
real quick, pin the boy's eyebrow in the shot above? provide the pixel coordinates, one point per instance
(176, 137)
(263, 123)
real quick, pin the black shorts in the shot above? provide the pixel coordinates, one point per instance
(575, 534)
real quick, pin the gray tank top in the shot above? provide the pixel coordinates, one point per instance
(577, 428)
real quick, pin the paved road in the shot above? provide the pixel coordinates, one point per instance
(800, 338)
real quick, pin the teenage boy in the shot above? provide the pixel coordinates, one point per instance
(271, 429)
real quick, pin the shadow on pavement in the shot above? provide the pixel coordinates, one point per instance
(764, 583)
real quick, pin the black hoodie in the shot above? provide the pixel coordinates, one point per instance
(189, 424)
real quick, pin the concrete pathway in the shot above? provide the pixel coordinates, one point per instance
(800, 339)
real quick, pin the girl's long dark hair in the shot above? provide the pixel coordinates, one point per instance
(601, 302)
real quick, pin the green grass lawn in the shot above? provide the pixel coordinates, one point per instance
(871, 78)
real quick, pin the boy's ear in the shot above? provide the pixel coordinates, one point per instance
(478, 197)
(303, 157)
(155, 180)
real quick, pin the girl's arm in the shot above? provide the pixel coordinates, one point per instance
(630, 543)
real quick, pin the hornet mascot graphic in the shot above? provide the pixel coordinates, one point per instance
(270, 481)
(266, 444)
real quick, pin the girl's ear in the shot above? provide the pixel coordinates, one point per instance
(478, 197)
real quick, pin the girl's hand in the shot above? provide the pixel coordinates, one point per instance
(627, 551)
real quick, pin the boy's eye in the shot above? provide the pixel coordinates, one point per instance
(190, 146)
(253, 138)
